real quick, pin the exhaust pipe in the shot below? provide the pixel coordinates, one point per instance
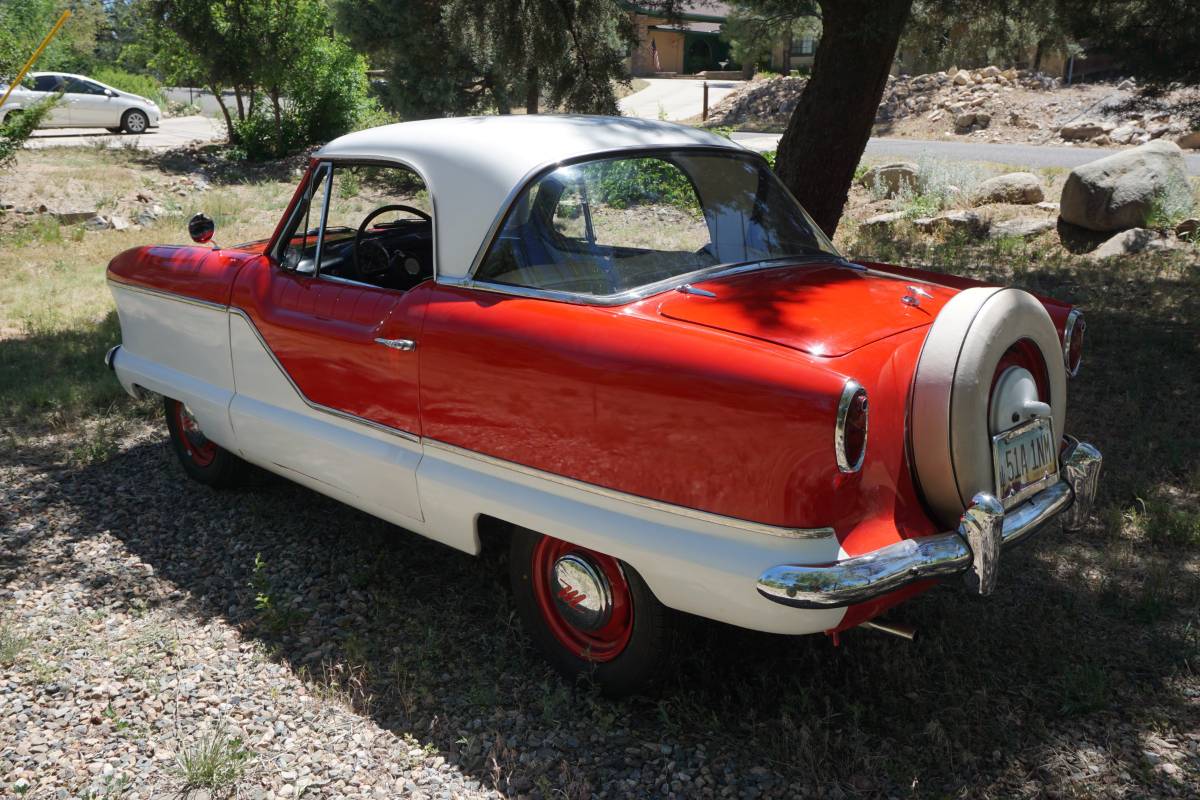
(894, 628)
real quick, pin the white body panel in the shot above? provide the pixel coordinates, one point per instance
(214, 360)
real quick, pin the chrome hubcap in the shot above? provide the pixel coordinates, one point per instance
(581, 592)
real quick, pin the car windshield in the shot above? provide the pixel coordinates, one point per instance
(614, 225)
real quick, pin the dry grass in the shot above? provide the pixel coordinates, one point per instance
(1051, 688)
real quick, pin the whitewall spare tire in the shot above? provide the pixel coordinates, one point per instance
(965, 369)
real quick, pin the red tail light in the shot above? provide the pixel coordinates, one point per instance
(850, 434)
(1073, 341)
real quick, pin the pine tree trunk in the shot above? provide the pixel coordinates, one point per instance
(828, 131)
(533, 89)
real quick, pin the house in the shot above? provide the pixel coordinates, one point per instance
(686, 45)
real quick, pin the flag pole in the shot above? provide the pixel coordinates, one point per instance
(20, 75)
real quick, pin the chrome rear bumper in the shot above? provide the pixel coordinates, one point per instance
(973, 548)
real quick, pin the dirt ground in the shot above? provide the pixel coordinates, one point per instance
(159, 639)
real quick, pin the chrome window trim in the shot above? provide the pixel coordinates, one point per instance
(330, 162)
(642, 292)
(1068, 331)
(645, 502)
(468, 280)
(849, 389)
(316, 273)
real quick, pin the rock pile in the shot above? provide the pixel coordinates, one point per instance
(966, 98)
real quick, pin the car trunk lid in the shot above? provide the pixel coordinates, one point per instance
(825, 309)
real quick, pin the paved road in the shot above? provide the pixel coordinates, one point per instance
(674, 98)
(1025, 155)
(171, 133)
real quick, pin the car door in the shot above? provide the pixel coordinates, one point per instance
(326, 369)
(89, 106)
(44, 86)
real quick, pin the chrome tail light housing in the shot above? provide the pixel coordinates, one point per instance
(850, 432)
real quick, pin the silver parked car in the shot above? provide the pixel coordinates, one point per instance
(85, 103)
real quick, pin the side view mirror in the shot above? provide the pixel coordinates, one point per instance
(201, 228)
(110, 93)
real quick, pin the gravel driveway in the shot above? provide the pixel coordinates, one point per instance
(143, 613)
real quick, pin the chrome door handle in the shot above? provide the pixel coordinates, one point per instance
(398, 344)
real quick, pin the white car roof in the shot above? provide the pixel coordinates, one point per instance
(472, 166)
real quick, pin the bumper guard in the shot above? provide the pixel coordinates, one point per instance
(973, 549)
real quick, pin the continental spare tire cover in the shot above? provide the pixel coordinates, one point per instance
(950, 430)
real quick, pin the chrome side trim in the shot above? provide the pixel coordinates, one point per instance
(179, 298)
(849, 389)
(406, 435)
(645, 502)
(405, 345)
(1069, 331)
(111, 355)
(861, 578)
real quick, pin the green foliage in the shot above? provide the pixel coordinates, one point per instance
(1171, 206)
(755, 27)
(140, 84)
(18, 126)
(23, 24)
(464, 57)
(11, 645)
(1155, 40)
(633, 181)
(1002, 32)
(294, 83)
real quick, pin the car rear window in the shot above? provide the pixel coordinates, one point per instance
(611, 226)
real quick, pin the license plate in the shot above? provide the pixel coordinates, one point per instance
(1026, 460)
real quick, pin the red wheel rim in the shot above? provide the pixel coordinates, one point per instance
(1023, 353)
(600, 644)
(197, 446)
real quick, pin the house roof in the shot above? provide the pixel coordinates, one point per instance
(697, 10)
(472, 166)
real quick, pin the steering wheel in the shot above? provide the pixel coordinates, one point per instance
(362, 227)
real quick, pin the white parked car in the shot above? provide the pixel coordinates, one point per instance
(85, 103)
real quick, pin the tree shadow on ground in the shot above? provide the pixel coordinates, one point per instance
(1089, 645)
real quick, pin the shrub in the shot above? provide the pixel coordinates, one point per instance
(145, 85)
(18, 127)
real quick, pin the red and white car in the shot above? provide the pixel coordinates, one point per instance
(622, 349)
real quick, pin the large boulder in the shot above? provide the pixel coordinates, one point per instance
(1020, 188)
(1191, 141)
(890, 178)
(1081, 130)
(1120, 191)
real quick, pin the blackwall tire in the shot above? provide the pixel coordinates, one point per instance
(208, 463)
(644, 652)
(135, 121)
(950, 437)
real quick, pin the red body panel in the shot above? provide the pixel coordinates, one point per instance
(196, 272)
(825, 310)
(323, 333)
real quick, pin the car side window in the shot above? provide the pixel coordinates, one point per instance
(79, 86)
(367, 223)
(46, 83)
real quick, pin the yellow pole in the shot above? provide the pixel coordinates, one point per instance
(20, 75)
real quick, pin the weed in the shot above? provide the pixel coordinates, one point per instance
(1172, 205)
(11, 645)
(276, 613)
(215, 762)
